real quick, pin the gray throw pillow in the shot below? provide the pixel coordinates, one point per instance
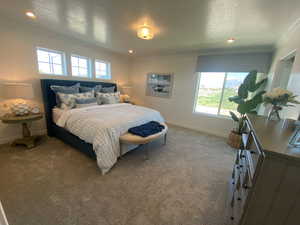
(108, 89)
(85, 100)
(81, 103)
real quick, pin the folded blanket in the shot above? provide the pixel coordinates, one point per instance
(147, 129)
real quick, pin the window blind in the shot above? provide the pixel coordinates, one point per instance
(241, 62)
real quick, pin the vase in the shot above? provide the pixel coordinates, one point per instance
(274, 113)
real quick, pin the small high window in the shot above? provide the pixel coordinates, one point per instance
(80, 66)
(102, 69)
(51, 62)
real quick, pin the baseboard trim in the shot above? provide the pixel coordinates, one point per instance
(198, 130)
(6, 140)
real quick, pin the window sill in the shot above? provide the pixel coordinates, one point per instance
(211, 115)
(103, 78)
(54, 75)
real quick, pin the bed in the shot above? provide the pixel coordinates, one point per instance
(93, 130)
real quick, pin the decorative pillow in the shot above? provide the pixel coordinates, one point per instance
(108, 98)
(108, 89)
(97, 88)
(80, 103)
(65, 90)
(68, 101)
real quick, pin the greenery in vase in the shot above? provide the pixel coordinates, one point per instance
(247, 103)
(279, 98)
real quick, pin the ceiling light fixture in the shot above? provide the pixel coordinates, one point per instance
(130, 51)
(145, 32)
(30, 15)
(230, 40)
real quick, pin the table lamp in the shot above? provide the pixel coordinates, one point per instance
(18, 93)
(126, 93)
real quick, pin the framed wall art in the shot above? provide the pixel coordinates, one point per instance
(159, 85)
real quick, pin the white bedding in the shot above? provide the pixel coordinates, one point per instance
(102, 125)
(56, 114)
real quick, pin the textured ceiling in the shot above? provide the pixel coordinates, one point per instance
(178, 24)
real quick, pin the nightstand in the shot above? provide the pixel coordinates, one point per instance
(27, 140)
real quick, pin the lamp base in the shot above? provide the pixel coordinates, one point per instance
(20, 108)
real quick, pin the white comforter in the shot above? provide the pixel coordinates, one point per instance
(102, 125)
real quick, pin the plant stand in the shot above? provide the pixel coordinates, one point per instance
(274, 113)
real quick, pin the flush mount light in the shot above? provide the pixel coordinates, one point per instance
(145, 32)
(130, 51)
(30, 15)
(230, 40)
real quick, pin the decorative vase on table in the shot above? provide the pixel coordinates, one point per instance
(279, 98)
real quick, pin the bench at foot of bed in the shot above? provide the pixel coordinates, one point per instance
(129, 138)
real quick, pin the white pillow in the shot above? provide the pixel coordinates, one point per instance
(108, 98)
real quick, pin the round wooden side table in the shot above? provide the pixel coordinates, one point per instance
(27, 140)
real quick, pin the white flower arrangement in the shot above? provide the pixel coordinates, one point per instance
(277, 92)
(280, 97)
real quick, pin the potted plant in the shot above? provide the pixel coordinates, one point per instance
(279, 98)
(248, 99)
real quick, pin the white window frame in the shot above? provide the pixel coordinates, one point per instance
(221, 99)
(108, 65)
(63, 57)
(89, 73)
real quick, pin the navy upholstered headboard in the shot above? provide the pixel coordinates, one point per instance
(49, 97)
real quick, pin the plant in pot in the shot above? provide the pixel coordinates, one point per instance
(249, 97)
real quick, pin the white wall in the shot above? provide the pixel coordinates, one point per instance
(178, 109)
(18, 62)
(290, 43)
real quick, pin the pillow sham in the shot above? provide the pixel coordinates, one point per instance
(97, 88)
(108, 89)
(108, 98)
(65, 90)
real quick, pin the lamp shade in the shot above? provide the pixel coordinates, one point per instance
(17, 90)
(126, 90)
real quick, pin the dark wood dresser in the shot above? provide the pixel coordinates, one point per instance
(264, 188)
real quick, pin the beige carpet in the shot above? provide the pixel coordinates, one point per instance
(183, 183)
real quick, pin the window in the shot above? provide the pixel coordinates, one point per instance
(213, 92)
(80, 66)
(102, 69)
(51, 61)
